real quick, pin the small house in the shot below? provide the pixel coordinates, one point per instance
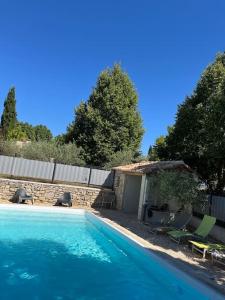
(132, 184)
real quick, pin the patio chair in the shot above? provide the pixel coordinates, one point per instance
(179, 222)
(205, 248)
(21, 196)
(66, 199)
(199, 234)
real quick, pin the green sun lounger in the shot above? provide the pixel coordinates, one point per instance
(200, 233)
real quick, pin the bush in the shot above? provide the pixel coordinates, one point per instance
(66, 154)
(121, 158)
(178, 187)
(9, 148)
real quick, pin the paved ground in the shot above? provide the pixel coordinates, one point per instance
(179, 255)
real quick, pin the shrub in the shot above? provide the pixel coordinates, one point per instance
(65, 154)
(182, 188)
(9, 148)
(123, 158)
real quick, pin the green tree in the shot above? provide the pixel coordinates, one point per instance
(159, 150)
(9, 116)
(28, 129)
(177, 187)
(16, 134)
(42, 133)
(199, 131)
(109, 121)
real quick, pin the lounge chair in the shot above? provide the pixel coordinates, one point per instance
(199, 234)
(66, 199)
(218, 256)
(206, 247)
(179, 222)
(21, 196)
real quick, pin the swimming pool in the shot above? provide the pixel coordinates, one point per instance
(71, 254)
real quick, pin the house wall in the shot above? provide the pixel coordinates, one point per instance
(45, 193)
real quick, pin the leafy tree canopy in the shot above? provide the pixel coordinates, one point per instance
(199, 132)
(17, 134)
(42, 133)
(28, 129)
(159, 150)
(109, 121)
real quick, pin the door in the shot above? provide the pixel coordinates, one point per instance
(131, 194)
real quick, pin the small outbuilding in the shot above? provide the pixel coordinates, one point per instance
(132, 184)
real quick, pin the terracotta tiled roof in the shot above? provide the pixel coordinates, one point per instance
(147, 167)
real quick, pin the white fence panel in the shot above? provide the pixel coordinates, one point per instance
(102, 178)
(6, 163)
(32, 168)
(71, 173)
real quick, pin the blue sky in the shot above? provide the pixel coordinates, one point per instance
(52, 52)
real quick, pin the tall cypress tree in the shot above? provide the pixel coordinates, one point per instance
(9, 115)
(109, 121)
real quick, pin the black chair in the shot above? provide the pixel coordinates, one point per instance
(66, 199)
(21, 196)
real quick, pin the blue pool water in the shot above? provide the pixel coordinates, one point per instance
(59, 255)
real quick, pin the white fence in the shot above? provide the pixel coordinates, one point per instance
(27, 168)
(32, 168)
(72, 173)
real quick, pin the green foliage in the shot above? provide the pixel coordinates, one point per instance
(42, 133)
(28, 129)
(9, 116)
(120, 158)
(65, 154)
(109, 121)
(9, 148)
(16, 134)
(159, 150)
(36, 133)
(181, 188)
(60, 139)
(199, 131)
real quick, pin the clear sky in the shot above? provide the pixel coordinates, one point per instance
(53, 50)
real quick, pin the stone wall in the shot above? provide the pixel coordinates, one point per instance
(46, 193)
